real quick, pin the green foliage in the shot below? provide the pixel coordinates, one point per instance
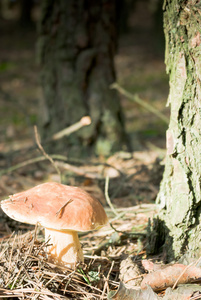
(94, 276)
(6, 66)
(90, 277)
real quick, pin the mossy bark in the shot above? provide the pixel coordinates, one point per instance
(179, 196)
(76, 49)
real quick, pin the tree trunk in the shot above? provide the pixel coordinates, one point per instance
(25, 16)
(179, 197)
(76, 48)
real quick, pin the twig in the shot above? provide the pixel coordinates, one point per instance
(120, 216)
(67, 166)
(144, 207)
(96, 257)
(43, 151)
(84, 121)
(22, 291)
(136, 277)
(107, 279)
(31, 161)
(78, 170)
(107, 196)
(187, 267)
(67, 131)
(16, 277)
(61, 210)
(134, 234)
(197, 297)
(33, 240)
(137, 99)
(10, 258)
(50, 280)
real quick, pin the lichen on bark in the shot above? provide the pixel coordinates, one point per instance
(179, 196)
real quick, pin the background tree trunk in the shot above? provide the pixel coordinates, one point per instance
(25, 15)
(178, 226)
(76, 48)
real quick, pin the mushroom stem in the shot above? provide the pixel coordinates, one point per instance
(65, 247)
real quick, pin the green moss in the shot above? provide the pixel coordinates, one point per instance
(180, 189)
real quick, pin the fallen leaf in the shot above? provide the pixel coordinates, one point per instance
(148, 265)
(167, 276)
(130, 294)
(184, 292)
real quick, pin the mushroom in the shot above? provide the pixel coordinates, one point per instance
(63, 210)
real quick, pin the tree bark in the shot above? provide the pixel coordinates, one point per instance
(25, 16)
(179, 196)
(76, 49)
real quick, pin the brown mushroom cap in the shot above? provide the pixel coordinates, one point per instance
(56, 206)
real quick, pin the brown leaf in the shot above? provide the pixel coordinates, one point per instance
(183, 292)
(167, 276)
(130, 294)
(149, 265)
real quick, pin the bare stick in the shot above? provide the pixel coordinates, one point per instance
(107, 196)
(43, 151)
(78, 170)
(107, 279)
(137, 99)
(61, 210)
(84, 121)
(187, 267)
(182, 273)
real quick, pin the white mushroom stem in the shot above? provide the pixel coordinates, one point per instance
(65, 247)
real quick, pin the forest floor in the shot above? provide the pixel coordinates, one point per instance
(132, 188)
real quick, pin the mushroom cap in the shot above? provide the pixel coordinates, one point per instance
(56, 206)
